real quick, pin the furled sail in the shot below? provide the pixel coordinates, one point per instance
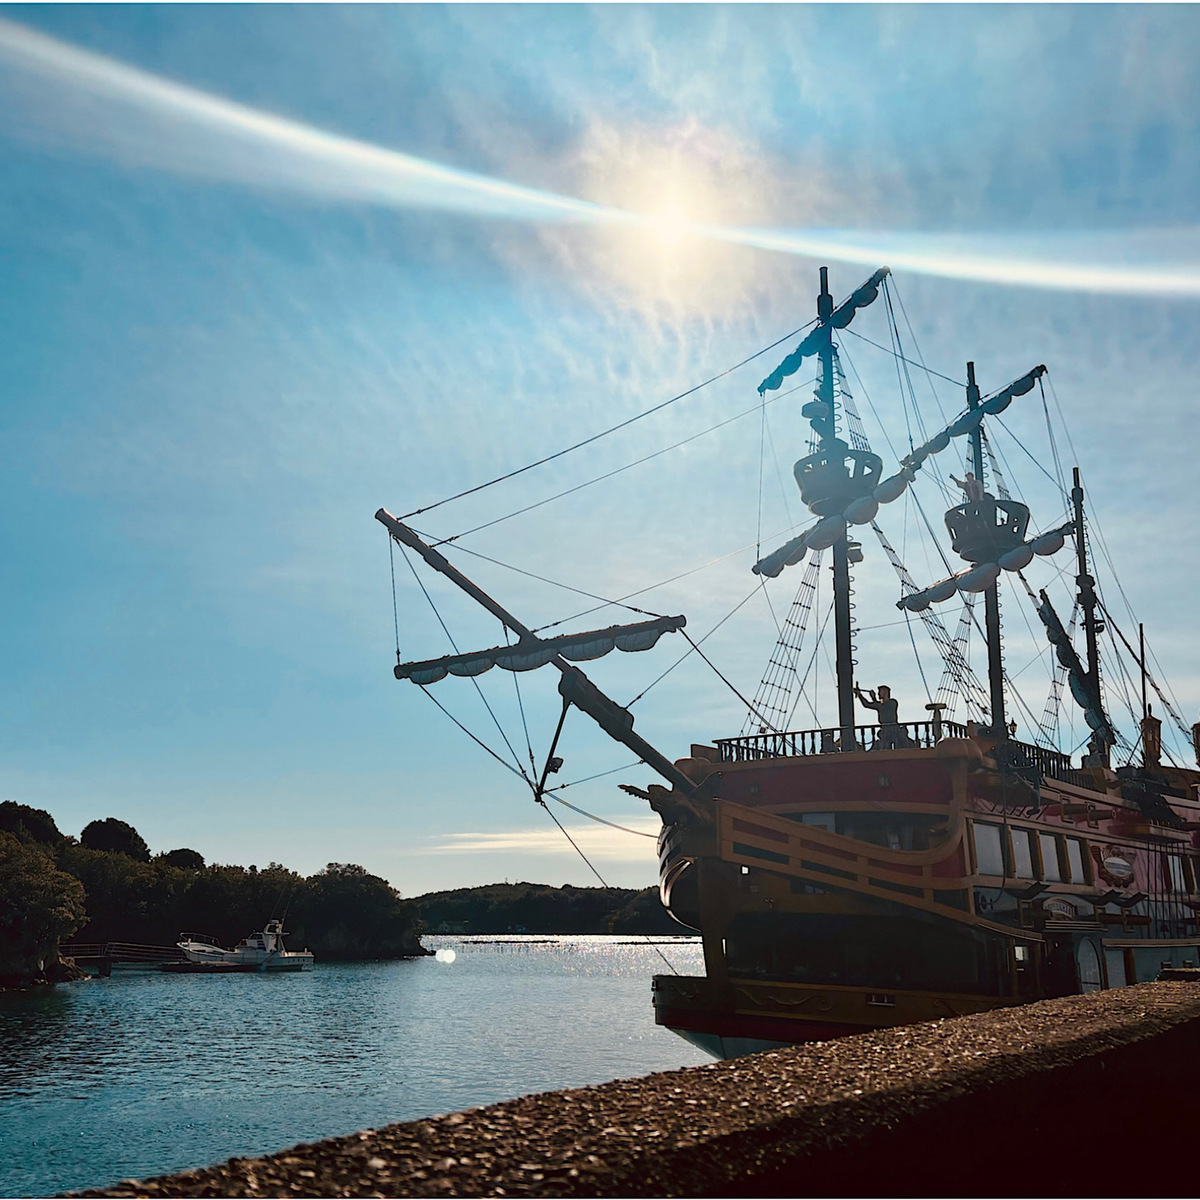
(840, 317)
(966, 422)
(1082, 687)
(982, 575)
(530, 653)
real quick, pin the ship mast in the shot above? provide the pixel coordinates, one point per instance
(841, 550)
(991, 596)
(1087, 602)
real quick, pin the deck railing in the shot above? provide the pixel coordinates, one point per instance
(920, 735)
(127, 952)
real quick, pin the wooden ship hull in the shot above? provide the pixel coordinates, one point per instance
(842, 892)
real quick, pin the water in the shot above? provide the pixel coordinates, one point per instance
(144, 1073)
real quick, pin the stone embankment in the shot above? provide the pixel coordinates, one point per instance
(1086, 1095)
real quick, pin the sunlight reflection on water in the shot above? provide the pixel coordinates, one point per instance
(145, 1073)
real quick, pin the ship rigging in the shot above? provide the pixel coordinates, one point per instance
(848, 876)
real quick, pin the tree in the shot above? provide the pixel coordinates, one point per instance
(344, 912)
(39, 906)
(29, 824)
(115, 837)
(187, 860)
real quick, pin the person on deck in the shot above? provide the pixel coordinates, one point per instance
(891, 734)
(972, 487)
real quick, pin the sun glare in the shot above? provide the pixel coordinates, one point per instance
(671, 224)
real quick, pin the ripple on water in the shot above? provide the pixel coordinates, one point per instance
(141, 1074)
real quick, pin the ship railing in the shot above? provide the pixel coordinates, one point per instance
(207, 938)
(917, 735)
(908, 735)
(1055, 764)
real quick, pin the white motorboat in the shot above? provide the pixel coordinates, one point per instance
(259, 952)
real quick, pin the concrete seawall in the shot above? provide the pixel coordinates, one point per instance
(1086, 1095)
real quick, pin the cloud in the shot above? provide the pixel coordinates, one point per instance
(59, 94)
(596, 841)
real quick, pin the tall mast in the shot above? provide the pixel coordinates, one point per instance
(841, 551)
(1087, 600)
(991, 597)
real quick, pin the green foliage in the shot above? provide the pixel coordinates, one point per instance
(29, 824)
(39, 905)
(539, 908)
(344, 912)
(185, 859)
(115, 837)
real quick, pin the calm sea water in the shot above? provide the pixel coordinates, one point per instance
(143, 1074)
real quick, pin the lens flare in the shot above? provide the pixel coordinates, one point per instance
(100, 106)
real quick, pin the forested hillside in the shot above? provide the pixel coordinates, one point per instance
(107, 886)
(540, 908)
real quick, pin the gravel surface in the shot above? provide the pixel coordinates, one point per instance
(703, 1130)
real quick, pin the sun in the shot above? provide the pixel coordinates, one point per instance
(670, 223)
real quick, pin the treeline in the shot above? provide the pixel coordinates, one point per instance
(107, 886)
(539, 908)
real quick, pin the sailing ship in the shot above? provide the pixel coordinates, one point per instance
(860, 876)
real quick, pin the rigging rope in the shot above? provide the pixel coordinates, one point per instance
(395, 605)
(604, 433)
(775, 690)
(478, 689)
(957, 382)
(592, 816)
(637, 462)
(600, 877)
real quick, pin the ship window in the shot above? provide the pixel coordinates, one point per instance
(1076, 860)
(1051, 867)
(822, 820)
(1175, 873)
(1022, 845)
(989, 852)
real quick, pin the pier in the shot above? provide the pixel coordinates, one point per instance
(102, 958)
(1087, 1094)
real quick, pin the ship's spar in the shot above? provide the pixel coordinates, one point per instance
(574, 686)
(842, 486)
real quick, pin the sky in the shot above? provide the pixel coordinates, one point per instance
(270, 268)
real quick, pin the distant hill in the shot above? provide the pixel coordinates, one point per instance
(540, 908)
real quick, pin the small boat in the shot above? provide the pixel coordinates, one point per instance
(259, 952)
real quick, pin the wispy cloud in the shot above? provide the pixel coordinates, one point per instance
(596, 841)
(59, 93)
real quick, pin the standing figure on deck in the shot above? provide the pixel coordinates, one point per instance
(1151, 739)
(891, 735)
(972, 487)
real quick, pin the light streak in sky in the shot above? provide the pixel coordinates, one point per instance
(135, 116)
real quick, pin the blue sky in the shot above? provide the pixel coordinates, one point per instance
(269, 268)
